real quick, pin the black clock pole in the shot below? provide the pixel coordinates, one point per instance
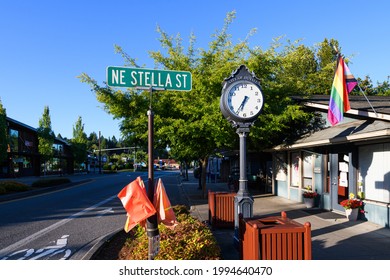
(243, 201)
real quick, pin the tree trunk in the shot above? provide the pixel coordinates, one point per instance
(203, 176)
(186, 171)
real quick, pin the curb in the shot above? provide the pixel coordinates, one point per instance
(89, 250)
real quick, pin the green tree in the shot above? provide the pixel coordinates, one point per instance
(79, 142)
(93, 142)
(366, 85)
(46, 137)
(285, 70)
(191, 123)
(3, 134)
(383, 88)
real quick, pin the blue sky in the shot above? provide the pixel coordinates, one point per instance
(45, 45)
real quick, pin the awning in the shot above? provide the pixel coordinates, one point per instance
(356, 131)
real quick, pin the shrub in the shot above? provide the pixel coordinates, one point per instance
(50, 182)
(114, 167)
(2, 190)
(190, 240)
(12, 186)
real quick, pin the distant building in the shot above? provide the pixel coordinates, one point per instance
(166, 164)
(23, 154)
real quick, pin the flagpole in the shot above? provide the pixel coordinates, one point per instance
(376, 114)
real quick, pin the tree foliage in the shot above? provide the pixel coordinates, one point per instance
(46, 136)
(3, 133)
(79, 141)
(191, 123)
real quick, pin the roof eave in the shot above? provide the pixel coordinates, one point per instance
(385, 133)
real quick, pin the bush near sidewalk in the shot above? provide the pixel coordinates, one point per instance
(50, 182)
(7, 187)
(12, 186)
(190, 240)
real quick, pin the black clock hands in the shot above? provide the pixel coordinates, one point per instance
(242, 104)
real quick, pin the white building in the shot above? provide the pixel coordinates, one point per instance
(351, 157)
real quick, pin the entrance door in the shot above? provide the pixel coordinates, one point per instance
(342, 174)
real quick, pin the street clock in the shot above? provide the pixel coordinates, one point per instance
(242, 99)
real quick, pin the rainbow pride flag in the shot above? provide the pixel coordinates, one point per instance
(343, 83)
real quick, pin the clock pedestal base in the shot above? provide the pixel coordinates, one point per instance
(243, 207)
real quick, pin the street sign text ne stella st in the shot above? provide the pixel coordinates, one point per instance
(141, 77)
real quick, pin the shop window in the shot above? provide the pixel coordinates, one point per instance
(343, 186)
(295, 170)
(308, 170)
(28, 143)
(280, 167)
(327, 172)
(27, 162)
(14, 140)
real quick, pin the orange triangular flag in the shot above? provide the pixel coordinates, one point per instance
(136, 203)
(163, 206)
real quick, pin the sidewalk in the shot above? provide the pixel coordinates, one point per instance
(333, 236)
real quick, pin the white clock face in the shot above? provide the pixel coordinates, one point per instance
(244, 99)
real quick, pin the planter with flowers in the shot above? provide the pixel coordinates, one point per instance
(352, 207)
(309, 197)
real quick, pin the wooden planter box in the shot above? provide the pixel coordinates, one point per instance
(274, 238)
(221, 209)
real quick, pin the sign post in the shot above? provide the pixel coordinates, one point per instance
(151, 80)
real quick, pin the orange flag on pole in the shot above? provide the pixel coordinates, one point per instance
(136, 203)
(163, 206)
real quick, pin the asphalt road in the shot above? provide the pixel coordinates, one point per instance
(69, 222)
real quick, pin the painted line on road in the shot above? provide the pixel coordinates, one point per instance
(38, 234)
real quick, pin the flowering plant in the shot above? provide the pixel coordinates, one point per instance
(308, 193)
(352, 202)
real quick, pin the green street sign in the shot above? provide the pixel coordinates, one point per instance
(146, 78)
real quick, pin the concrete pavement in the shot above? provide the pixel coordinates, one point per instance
(333, 236)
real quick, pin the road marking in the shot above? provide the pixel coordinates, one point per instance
(49, 251)
(36, 235)
(105, 211)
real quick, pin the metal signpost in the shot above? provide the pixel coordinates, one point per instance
(151, 80)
